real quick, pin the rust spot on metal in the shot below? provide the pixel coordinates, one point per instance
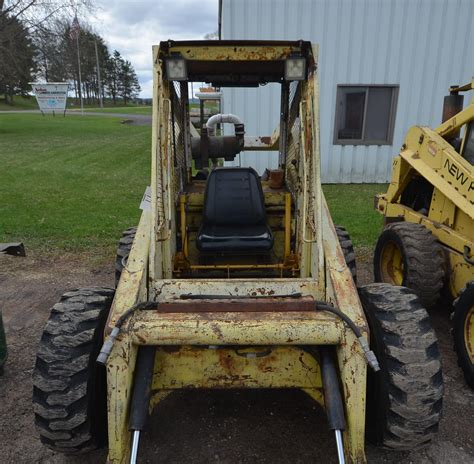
(141, 339)
(216, 329)
(226, 361)
(173, 349)
(270, 304)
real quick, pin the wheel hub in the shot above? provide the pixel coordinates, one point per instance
(391, 264)
(469, 334)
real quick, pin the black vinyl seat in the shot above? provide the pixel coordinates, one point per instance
(234, 218)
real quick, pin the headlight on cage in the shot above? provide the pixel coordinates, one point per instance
(176, 69)
(295, 69)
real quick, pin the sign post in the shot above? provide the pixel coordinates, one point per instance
(51, 96)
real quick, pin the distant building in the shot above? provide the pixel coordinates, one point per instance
(384, 65)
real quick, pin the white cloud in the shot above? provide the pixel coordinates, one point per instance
(133, 26)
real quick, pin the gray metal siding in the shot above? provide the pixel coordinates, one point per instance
(424, 46)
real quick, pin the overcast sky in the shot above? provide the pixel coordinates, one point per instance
(133, 26)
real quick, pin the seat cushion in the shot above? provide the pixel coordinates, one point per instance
(234, 218)
(221, 239)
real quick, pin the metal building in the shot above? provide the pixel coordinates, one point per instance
(384, 66)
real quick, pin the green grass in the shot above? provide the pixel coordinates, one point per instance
(117, 109)
(70, 183)
(29, 103)
(352, 206)
(75, 183)
(19, 103)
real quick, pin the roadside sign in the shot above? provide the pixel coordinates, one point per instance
(51, 96)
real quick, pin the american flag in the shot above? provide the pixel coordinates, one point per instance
(75, 29)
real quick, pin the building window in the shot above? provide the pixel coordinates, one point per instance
(365, 114)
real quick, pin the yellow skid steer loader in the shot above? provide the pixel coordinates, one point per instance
(428, 240)
(234, 281)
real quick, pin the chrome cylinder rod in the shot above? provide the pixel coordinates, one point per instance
(340, 446)
(134, 453)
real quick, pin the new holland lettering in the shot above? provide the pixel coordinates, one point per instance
(456, 172)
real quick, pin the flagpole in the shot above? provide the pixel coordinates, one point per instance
(80, 78)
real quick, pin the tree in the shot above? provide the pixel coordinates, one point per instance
(129, 86)
(112, 76)
(51, 58)
(121, 79)
(36, 14)
(28, 41)
(36, 43)
(212, 36)
(16, 57)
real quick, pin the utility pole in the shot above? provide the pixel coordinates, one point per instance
(101, 103)
(74, 33)
(80, 78)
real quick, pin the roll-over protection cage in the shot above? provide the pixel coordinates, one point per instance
(296, 139)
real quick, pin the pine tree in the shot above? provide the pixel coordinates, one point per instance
(16, 58)
(112, 77)
(129, 86)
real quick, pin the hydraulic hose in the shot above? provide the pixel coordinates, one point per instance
(110, 340)
(368, 353)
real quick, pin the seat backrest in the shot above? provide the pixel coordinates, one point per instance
(234, 196)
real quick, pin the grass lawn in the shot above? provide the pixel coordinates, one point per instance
(70, 183)
(75, 183)
(352, 206)
(117, 109)
(19, 103)
(29, 103)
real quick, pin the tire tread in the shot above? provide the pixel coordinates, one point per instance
(411, 363)
(62, 373)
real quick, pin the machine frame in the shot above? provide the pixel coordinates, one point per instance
(182, 336)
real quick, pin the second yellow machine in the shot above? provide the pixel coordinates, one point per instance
(428, 240)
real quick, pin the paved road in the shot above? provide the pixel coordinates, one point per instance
(137, 119)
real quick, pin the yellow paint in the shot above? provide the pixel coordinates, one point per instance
(184, 232)
(132, 288)
(240, 328)
(287, 224)
(183, 358)
(391, 264)
(239, 53)
(201, 367)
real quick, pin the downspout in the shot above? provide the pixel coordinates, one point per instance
(219, 20)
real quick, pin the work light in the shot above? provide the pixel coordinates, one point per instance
(295, 69)
(176, 69)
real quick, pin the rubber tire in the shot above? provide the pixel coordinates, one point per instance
(462, 305)
(423, 259)
(69, 388)
(348, 250)
(404, 399)
(123, 250)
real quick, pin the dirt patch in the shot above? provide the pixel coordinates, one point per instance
(197, 427)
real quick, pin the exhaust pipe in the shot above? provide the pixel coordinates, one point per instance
(223, 118)
(452, 105)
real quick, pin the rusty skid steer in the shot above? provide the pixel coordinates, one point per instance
(234, 281)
